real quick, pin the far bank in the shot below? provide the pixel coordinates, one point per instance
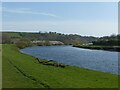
(108, 48)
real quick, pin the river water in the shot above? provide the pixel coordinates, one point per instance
(105, 61)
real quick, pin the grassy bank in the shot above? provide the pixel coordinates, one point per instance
(24, 71)
(0, 66)
(109, 48)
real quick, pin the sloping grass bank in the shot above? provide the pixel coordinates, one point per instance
(24, 71)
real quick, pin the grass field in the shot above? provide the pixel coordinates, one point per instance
(23, 71)
(0, 66)
(14, 34)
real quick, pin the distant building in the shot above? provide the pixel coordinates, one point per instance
(55, 42)
(88, 44)
(50, 42)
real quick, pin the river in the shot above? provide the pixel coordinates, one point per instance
(105, 61)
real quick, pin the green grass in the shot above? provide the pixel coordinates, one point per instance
(14, 34)
(24, 71)
(0, 66)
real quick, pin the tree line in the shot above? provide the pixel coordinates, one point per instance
(113, 40)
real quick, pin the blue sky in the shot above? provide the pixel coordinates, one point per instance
(84, 18)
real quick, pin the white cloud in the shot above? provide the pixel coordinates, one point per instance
(94, 28)
(27, 11)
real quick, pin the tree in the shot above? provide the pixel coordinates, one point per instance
(6, 39)
(22, 43)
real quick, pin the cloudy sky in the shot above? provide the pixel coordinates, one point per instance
(84, 18)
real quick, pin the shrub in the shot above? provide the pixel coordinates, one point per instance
(51, 63)
(22, 43)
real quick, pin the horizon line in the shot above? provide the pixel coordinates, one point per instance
(58, 33)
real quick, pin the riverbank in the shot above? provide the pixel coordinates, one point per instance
(108, 48)
(19, 68)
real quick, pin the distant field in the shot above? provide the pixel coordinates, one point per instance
(24, 71)
(14, 34)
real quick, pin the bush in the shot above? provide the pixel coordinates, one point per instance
(51, 63)
(22, 43)
(6, 39)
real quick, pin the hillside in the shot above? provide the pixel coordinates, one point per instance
(48, 36)
(111, 43)
(113, 40)
(24, 71)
